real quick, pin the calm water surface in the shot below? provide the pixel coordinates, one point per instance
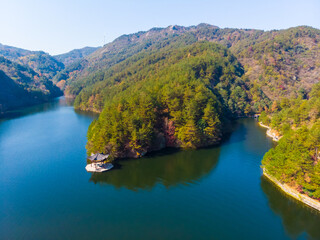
(215, 193)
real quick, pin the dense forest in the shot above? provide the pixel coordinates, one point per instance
(39, 61)
(27, 76)
(179, 97)
(295, 160)
(22, 86)
(279, 62)
(91, 91)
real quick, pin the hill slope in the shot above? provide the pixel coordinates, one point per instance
(175, 97)
(286, 62)
(12, 95)
(296, 159)
(40, 62)
(279, 62)
(21, 86)
(75, 55)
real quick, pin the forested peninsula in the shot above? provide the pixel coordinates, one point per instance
(178, 98)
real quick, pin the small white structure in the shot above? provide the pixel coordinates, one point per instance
(97, 163)
(99, 167)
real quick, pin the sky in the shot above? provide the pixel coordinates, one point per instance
(58, 26)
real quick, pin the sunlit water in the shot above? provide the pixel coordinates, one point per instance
(214, 193)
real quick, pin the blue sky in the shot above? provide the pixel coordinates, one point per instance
(58, 26)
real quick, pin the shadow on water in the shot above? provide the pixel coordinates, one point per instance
(297, 218)
(89, 114)
(43, 107)
(232, 127)
(169, 168)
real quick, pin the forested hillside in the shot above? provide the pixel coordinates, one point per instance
(21, 86)
(75, 55)
(176, 97)
(284, 64)
(41, 62)
(27, 76)
(280, 62)
(295, 160)
(12, 95)
(149, 41)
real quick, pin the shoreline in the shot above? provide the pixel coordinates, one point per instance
(269, 133)
(293, 193)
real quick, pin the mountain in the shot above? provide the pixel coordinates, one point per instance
(12, 95)
(280, 62)
(75, 55)
(39, 61)
(124, 80)
(126, 46)
(22, 86)
(152, 40)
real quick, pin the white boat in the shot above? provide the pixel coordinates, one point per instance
(99, 167)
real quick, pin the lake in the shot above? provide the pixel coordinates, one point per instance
(212, 193)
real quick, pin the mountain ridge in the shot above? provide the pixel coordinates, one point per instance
(238, 40)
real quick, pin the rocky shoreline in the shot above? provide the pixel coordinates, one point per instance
(284, 187)
(271, 133)
(294, 193)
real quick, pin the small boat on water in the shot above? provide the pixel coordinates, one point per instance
(98, 163)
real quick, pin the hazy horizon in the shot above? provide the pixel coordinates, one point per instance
(58, 27)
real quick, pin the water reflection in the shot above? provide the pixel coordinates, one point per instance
(169, 168)
(91, 115)
(297, 218)
(45, 107)
(52, 105)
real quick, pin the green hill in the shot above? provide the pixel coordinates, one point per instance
(12, 95)
(295, 160)
(177, 97)
(21, 86)
(27, 76)
(280, 62)
(41, 62)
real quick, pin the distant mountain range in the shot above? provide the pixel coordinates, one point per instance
(75, 55)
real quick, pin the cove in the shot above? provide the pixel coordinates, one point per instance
(212, 193)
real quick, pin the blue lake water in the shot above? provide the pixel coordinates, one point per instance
(213, 193)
